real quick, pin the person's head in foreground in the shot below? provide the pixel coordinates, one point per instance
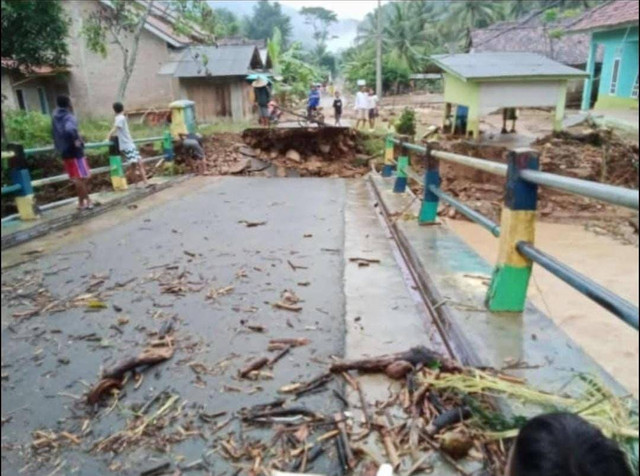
(64, 102)
(118, 107)
(337, 94)
(563, 444)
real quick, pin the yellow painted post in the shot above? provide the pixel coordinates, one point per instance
(387, 168)
(19, 173)
(510, 280)
(560, 105)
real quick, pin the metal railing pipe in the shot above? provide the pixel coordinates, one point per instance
(91, 145)
(7, 189)
(624, 197)
(467, 211)
(610, 301)
(488, 166)
(97, 170)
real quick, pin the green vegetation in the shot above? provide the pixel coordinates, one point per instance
(33, 129)
(265, 18)
(406, 124)
(414, 30)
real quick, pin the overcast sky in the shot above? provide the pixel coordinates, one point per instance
(356, 9)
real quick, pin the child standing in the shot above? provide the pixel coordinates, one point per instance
(337, 108)
(125, 141)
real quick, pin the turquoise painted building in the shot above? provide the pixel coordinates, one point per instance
(614, 30)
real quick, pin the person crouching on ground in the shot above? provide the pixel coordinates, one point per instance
(125, 142)
(193, 145)
(362, 107)
(70, 146)
(563, 444)
(263, 96)
(337, 108)
(313, 102)
(274, 111)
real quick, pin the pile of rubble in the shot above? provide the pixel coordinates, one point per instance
(317, 152)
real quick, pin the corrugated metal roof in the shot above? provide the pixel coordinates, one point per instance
(212, 61)
(501, 65)
(609, 15)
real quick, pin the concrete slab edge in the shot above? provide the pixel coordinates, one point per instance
(23, 236)
(452, 335)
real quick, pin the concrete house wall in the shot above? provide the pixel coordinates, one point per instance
(620, 43)
(94, 80)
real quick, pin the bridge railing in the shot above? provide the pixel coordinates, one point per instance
(517, 253)
(16, 160)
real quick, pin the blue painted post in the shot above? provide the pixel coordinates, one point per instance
(508, 289)
(19, 173)
(429, 208)
(400, 185)
(387, 168)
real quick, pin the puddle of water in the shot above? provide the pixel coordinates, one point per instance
(609, 341)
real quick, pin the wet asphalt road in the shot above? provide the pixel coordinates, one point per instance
(48, 361)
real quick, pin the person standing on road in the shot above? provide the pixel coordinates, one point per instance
(337, 108)
(69, 145)
(362, 107)
(126, 146)
(314, 101)
(509, 114)
(373, 109)
(263, 96)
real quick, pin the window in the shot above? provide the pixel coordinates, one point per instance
(634, 91)
(614, 76)
(22, 104)
(44, 105)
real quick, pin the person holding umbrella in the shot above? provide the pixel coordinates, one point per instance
(263, 96)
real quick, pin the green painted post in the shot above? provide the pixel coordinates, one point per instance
(116, 172)
(167, 145)
(508, 289)
(429, 208)
(387, 168)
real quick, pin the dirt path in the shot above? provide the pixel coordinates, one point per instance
(609, 341)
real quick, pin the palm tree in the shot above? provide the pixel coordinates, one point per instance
(469, 14)
(403, 35)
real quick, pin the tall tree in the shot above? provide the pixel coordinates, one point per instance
(320, 19)
(265, 17)
(120, 23)
(33, 34)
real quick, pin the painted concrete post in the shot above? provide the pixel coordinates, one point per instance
(116, 172)
(447, 119)
(588, 83)
(560, 105)
(167, 147)
(429, 208)
(508, 288)
(387, 168)
(19, 174)
(400, 185)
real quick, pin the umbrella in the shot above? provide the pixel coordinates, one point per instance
(254, 76)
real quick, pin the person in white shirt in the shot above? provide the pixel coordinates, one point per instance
(361, 106)
(373, 109)
(125, 142)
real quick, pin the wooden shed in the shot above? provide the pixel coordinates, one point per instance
(487, 82)
(214, 77)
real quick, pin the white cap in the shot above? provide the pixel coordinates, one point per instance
(385, 470)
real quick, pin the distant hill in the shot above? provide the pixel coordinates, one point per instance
(344, 31)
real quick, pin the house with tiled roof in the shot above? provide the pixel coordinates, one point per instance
(613, 27)
(532, 34)
(91, 79)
